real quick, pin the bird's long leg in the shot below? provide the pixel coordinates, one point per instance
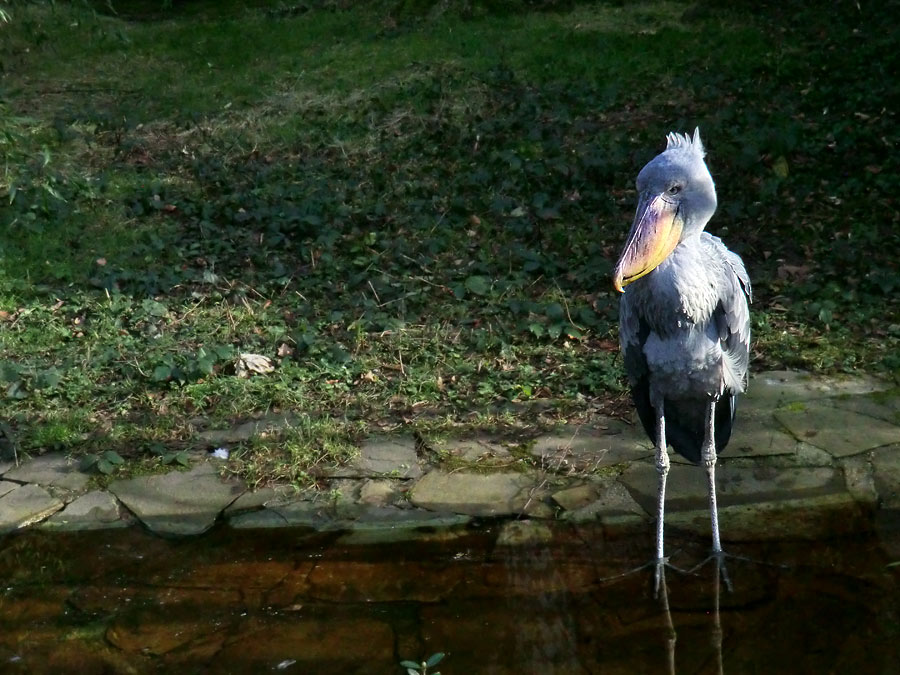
(662, 466)
(708, 455)
(709, 461)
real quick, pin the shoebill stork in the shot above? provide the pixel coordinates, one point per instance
(684, 323)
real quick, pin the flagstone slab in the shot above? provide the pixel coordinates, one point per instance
(379, 491)
(757, 433)
(7, 486)
(53, 469)
(26, 505)
(6, 465)
(881, 405)
(253, 500)
(784, 386)
(389, 456)
(178, 503)
(576, 497)
(95, 510)
(590, 448)
(496, 494)
(840, 432)
(611, 504)
(686, 487)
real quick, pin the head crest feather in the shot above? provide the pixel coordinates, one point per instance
(675, 140)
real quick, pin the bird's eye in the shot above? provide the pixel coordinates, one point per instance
(674, 189)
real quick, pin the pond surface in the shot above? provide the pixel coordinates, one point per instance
(294, 602)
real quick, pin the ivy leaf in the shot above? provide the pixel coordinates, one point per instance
(88, 462)
(16, 390)
(112, 457)
(554, 311)
(154, 308)
(47, 379)
(157, 449)
(435, 659)
(478, 285)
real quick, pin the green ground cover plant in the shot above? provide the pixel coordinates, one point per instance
(411, 208)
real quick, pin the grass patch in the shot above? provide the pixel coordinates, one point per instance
(411, 208)
(296, 454)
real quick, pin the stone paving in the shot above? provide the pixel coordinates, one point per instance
(810, 456)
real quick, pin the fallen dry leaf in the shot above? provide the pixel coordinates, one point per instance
(248, 363)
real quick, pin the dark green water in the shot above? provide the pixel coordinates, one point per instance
(285, 601)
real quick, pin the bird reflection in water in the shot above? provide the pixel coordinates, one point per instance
(671, 637)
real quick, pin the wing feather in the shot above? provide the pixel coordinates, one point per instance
(732, 315)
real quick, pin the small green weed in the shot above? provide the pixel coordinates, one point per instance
(413, 668)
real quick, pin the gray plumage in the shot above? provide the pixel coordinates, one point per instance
(685, 327)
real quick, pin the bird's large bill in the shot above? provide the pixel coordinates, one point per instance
(653, 236)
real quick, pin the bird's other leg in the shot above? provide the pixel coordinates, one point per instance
(662, 467)
(708, 455)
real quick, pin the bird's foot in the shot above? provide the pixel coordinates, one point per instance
(659, 566)
(721, 568)
(659, 572)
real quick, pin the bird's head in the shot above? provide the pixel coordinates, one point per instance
(676, 198)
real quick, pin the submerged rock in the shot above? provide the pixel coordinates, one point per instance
(686, 487)
(524, 533)
(814, 518)
(886, 474)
